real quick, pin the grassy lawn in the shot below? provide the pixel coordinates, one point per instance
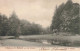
(70, 40)
(63, 40)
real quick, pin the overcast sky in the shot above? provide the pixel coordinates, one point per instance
(38, 11)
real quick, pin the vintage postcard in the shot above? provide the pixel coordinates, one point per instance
(39, 25)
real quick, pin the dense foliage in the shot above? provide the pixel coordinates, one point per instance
(66, 18)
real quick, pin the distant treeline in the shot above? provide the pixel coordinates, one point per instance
(13, 26)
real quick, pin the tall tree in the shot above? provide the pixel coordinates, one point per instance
(3, 25)
(66, 18)
(14, 24)
(57, 20)
(68, 5)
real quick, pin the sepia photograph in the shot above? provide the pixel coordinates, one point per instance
(40, 23)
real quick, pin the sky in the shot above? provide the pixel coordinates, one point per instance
(38, 11)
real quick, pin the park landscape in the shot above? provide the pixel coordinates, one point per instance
(64, 30)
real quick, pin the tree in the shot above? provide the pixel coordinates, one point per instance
(66, 18)
(3, 25)
(57, 20)
(25, 27)
(35, 29)
(69, 5)
(71, 19)
(14, 24)
(0, 24)
(28, 28)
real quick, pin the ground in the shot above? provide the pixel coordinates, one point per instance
(17, 42)
(22, 41)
